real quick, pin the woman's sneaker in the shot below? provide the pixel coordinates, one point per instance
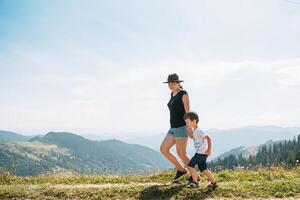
(213, 185)
(179, 175)
(193, 185)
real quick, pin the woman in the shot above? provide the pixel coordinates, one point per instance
(178, 133)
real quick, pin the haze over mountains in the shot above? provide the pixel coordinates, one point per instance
(227, 139)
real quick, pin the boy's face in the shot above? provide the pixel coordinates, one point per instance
(191, 124)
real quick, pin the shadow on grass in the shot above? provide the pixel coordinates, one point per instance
(174, 192)
(198, 194)
(160, 192)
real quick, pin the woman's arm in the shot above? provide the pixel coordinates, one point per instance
(186, 102)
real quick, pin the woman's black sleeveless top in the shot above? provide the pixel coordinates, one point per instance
(177, 110)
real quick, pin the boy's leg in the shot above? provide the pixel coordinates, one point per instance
(191, 167)
(210, 176)
(203, 168)
(193, 173)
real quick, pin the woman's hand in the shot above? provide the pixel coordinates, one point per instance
(190, 132)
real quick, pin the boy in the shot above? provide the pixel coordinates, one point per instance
(202, 143)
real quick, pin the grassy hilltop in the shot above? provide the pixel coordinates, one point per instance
(238, 184)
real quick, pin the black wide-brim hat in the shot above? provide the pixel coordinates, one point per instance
(173, 78)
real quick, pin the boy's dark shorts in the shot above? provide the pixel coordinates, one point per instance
(200, 160)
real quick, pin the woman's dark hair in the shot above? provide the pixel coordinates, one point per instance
(191, 116)
(180, 86)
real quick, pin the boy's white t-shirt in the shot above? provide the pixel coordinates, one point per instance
(200, 142)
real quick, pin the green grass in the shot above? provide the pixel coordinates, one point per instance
(239, 184)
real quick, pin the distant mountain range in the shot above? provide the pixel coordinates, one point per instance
(12, 136)
(245, 151)
(61, 152)
(224, 140)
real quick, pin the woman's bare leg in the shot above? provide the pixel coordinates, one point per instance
(181, 145)
(165, 147)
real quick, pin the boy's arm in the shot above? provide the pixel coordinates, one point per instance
(208, 150)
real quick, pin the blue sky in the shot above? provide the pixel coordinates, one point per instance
(96, 67)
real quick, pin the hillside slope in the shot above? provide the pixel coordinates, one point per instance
(67, 152)
(241, 184)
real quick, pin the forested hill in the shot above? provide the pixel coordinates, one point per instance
(285, 153)
(61, 152)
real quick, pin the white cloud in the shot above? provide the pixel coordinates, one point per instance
(290, 74)
(116, 97)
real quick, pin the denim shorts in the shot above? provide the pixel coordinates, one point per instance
(179, 133)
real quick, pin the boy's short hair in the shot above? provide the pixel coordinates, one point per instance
(191, 116)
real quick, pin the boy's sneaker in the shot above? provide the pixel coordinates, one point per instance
(192, 185)
(191, 179)
(213, 185)
(179, 175)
